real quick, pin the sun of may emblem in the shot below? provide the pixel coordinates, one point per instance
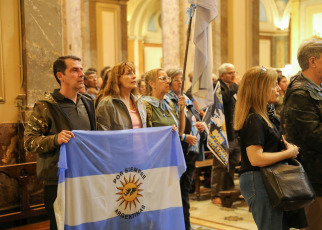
(130, 192)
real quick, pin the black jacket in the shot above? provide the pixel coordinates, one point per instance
(229, 102)
(302, 115)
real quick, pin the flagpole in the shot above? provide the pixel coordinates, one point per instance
(187, 48)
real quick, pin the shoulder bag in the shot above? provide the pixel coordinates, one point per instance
(287, 185)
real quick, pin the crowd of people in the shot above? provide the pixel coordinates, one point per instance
(118, 101)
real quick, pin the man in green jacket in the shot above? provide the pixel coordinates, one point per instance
(53, 118)
(303, 119)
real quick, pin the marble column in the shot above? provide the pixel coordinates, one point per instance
(170, 33)
(72, 15)
(42, 44)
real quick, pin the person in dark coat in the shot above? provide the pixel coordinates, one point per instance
(221, 179)
(302, 115)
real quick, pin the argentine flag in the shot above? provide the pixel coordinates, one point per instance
(122, 180)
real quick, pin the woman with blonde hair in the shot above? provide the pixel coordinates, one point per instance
(120, 108)
(160, 110)
(260, 142)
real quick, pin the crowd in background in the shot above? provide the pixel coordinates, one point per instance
(118, 100)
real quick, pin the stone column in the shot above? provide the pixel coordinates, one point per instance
(72, 27)
(42, 44)
(170, 34)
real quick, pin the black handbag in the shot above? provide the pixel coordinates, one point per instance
(287, 185)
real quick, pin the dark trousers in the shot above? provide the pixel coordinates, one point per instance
(185, 186)
(50, 194)
(221, 179)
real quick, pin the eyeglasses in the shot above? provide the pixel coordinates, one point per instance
(262, 69)
(164, 78)
(231, 73)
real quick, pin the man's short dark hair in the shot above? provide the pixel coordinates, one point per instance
(60, 65)
(87, 73)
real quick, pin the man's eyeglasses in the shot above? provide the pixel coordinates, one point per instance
(231, 73)
(262, 69)
(164, 78)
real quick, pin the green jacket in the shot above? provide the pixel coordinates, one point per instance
(303, 118)
(41, 131)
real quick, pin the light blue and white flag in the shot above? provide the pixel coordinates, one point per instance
(217, 141)
(202, 89)
(126, 179)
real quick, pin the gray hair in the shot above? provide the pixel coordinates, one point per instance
(223, 68)
(173, 72)
(309, 48)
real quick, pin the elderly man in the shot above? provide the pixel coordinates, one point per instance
(303, 120)
(51, 122)
(220, 178)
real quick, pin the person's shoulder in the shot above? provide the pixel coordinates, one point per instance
(234, 86)
(148, 100)
(87, 96)
(105, 102)
(254, 118)
(301, 87)
(92, 91)
(298, 82)
(45, 99)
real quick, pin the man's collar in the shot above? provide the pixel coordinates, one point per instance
(315, 86)
(221, 80)
(58, 96)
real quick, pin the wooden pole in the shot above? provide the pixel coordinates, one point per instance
(186, 54)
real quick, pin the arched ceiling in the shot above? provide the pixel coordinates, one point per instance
(139, 15)
(278, 14)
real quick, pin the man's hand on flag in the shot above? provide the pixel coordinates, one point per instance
(64, 136)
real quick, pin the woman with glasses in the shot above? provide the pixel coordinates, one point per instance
(120, 108)
(260, 142)
(160, 110)
(191, 141)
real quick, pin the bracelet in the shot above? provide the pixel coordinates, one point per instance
(181, 137)
(185, 136)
